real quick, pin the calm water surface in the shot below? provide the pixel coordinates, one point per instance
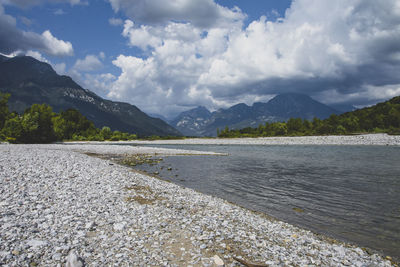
(351, 193)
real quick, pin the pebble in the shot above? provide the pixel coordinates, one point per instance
(218, 261)
(73, 260)
(60, 207)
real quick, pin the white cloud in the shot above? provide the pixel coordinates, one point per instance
(60, 68)
(115, 21)
(56, 47)
(59, 12)
(201, 13)
(13, 39)
(36, 55)
(99, 83)
(89, 63)
(140, 37)
(349, 47)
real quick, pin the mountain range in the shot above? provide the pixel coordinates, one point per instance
(30, 81)
(201, 122)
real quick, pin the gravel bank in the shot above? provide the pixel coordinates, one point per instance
(367, 139)
(54, 200)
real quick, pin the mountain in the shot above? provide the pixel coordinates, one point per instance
(294, 105)
(343, 107)
(158, 116)
(383, 117)
(30, 81)
(191, 122)
(280, 108)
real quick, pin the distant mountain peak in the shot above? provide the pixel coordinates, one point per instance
(280, 108)
(196, 112)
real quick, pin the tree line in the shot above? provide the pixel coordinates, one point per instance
(39, 124)
(381, 118)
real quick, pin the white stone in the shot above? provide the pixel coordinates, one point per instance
(218, 261)
(73, 260)
(34, 243)
(119, 226)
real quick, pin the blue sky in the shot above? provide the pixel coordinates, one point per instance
(169, 56)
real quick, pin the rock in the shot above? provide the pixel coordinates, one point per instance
(57, 256)
(218, 261)
(47, 215)
(73, 260)
(299, 210)
(90, 225)
(34, 243)
(119, 226)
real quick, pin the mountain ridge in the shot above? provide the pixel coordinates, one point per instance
(30, 81)
(280, 108)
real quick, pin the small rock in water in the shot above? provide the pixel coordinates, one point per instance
(298, 210)
(218, 261)
(73, 260)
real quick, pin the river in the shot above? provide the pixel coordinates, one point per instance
(351, 193)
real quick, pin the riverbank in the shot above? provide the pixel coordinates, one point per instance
(56, 199)
(365, 139)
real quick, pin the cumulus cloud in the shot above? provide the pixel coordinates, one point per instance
(13, 39)
(36, 55)
(337, 51)
(54, 46)
(100, 83)
(85, 73)
(89, 63)
(60, 68)
(201, 13)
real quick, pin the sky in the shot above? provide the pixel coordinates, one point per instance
(166, 57)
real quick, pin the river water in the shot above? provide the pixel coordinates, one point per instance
(351, 193)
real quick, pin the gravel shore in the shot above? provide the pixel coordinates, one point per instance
(61, 206)
(366, 139)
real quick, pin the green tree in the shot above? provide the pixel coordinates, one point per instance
(37, 125)
(4, 112)
(294, 126)
(106, 133)
(350, 123)
(71, 122)
(12, 130)
(307, 127)
(279, 128)
(340, 130)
